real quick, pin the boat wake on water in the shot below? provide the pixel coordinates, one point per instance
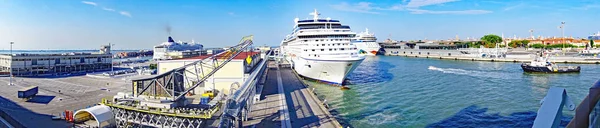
(486, 74)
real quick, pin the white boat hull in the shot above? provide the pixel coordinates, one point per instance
(331, 71)
(367, 48)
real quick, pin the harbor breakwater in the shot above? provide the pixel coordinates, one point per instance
(457, 55)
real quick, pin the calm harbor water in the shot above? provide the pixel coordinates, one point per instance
(391, 91)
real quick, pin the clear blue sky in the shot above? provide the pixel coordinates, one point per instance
(137, 24)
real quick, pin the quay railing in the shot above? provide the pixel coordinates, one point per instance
(238, 105)
(588, 109)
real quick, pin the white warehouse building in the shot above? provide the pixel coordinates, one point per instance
(52, 64)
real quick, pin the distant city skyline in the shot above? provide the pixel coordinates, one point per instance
(142, 24)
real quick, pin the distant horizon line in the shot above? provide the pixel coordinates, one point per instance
(68, 49)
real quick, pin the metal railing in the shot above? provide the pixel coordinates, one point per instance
(238, 105)
(588, 108)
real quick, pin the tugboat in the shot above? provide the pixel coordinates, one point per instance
(543, 65)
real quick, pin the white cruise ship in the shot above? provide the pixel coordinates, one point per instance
(321, 49)
(161, 51)
(366, 43)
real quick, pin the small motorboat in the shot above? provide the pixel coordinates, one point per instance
(542, 65)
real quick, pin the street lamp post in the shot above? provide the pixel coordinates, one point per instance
(531, 34)
(112, 67)
(11, 58)
(562, 28)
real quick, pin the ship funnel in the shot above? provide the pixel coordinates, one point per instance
(171, 39)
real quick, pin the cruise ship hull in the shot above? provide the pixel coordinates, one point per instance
(331, 71)
(367, 48)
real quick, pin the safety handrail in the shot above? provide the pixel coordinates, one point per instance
(582, 113)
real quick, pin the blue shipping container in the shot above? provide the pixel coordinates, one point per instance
(28, 92)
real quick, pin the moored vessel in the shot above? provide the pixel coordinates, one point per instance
(161, 51)
(366, 43)
(321, 49)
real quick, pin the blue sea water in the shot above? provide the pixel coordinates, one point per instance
(392, 91)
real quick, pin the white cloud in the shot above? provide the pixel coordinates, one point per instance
(108, 9)
(589, 6)
(421, 3)
(421, 11)
(493, 2)
(514, 7)
(412, 6)
(124, 13)
(361, 7)
(89, 3)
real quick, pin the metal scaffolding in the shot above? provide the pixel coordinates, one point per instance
(171, 87)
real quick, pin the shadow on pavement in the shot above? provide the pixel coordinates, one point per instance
(41, 99)
(19, 116)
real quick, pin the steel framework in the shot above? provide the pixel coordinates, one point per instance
(171, 84)
(174, 85)
(129, 118)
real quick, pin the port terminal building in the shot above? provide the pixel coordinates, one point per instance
(24, 64)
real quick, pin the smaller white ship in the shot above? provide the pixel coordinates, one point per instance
(366, 43)
(161, 51)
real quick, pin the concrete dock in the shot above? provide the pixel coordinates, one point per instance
(287, 102)
(456, 55)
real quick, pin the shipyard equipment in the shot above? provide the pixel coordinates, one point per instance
(165, 100)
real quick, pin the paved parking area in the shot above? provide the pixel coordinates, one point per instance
(55, 96)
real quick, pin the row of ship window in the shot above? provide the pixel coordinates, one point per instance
(328, 36)
(324, 31)
(334, 49)
(338, 44)
(315, 55)
(330, 40)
